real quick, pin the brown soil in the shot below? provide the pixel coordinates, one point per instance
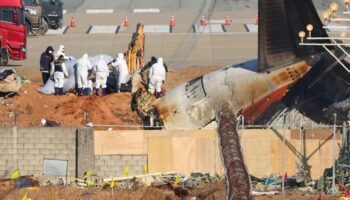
(207, 192)
(114, 109)
(68, 110)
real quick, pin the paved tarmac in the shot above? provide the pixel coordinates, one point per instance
(182, 48)
(178, 5)
(164, 5)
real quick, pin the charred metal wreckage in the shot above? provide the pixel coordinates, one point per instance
(306, 78)
(286, 74)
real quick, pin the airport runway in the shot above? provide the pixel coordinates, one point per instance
(182, 48)
(168, 5)
(164, 5)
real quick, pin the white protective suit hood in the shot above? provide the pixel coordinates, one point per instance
(61, 48)
(60, 52)
(120, 56)
(84, 64)
(101, 66)
(157, 69)
(160, 61)
(85, 56)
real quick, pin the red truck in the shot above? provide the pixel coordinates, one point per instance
(13, 38)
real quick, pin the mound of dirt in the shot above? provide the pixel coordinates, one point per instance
(31, 106)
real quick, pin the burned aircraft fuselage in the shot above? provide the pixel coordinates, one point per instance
(285, 73)
(195, 104)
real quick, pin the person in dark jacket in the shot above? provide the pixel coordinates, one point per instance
(46, 60)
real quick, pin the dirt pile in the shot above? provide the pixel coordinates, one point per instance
(31, 107)
(114, 109)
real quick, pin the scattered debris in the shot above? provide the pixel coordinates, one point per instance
(49, 123)
(10, 82)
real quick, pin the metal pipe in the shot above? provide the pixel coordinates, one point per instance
(340, 47)
(301, 139)
(327, 38)
(322, 44)
(335, 57)
(284, 151)
(337, 27)
(333, 152)
(340, 19)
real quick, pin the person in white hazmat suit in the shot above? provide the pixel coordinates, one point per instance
(102, 73)
(61, 52)
(59, 72)
(83, 67)
(121, 71)
(156, 77)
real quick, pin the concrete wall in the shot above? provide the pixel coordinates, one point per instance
(113, 165)
(26, 148)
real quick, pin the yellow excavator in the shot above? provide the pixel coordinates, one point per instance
(136, 50)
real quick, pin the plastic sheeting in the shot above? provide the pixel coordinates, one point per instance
(70, 82)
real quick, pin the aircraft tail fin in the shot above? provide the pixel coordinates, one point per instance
(280, 22)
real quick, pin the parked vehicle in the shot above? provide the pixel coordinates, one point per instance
(42, 15)
(12, 31)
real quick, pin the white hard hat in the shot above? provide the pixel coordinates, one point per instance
(90, 124)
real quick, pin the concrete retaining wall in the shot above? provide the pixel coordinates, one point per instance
(26, 149)
(113, 165)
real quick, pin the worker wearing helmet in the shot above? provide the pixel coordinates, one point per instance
(46, 60)
(102, 73)
(59, 72)
(121, 71)
(83, 67)
(156, 77)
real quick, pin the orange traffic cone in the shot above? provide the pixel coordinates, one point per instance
(257, 20)
(203, 21)
(72, 22)
(227, 21)
(126, 22)
(172, 22)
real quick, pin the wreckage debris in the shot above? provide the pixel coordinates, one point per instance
(10, 82)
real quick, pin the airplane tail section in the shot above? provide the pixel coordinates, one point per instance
(280, 23)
